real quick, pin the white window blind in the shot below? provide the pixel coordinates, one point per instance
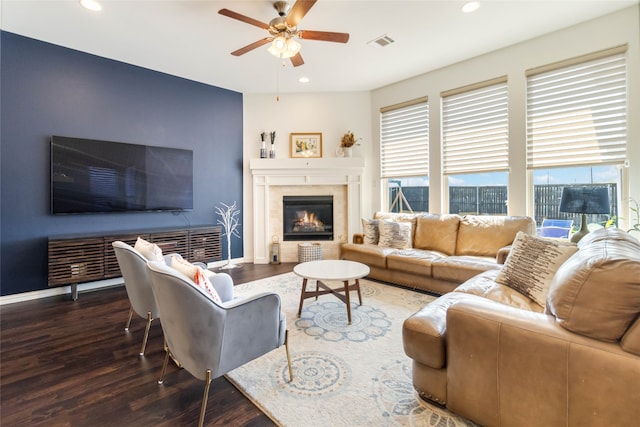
(404, 139)
(577, 112)
(475, 128)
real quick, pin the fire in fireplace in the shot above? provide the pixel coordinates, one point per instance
(307, 217)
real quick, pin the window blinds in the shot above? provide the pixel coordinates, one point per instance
(577, 111)
(404, 139)
(475, 128)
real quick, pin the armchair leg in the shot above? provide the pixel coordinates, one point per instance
(203, 409)
(146, 333)
(286, 347)
(164, 365)
(126, 327)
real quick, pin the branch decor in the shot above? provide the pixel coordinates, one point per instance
(229, 220)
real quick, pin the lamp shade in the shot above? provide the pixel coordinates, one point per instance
(585, 200)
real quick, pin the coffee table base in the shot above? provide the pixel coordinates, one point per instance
(341, 293)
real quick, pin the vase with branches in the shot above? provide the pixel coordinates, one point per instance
(230, 222)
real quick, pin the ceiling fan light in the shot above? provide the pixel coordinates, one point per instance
(282, 47)
(293, 46)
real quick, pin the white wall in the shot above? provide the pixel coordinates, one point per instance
(332, 114)
(335, 113)
(610, 31)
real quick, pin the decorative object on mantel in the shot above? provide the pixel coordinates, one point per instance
(272, 152)
(229, 220)
(346, 145)
(263, 149)
(306, 144)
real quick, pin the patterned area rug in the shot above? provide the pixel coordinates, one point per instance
(343, 375)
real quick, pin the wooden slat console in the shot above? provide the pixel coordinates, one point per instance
(77, 259)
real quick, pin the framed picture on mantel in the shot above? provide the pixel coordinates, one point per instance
(306, 144)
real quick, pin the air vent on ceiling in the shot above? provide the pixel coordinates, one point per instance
(381, 41)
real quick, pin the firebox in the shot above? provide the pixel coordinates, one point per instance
(307, 217)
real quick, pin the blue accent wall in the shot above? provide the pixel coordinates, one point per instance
(51, 90)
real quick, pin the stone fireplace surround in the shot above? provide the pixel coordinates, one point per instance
(275, 178)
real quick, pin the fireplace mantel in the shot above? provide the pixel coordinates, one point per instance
(267, 173)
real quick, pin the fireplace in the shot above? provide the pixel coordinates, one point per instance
(307, 218)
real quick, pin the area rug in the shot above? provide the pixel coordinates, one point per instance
(343, 375)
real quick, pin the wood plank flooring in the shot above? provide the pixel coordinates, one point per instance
(71, 363)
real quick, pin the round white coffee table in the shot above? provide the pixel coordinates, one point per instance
(331, 269)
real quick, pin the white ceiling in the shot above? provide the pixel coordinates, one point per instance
(191, 40)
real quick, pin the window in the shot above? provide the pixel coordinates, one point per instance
(577, 129)
(404, 155)
(475, 134)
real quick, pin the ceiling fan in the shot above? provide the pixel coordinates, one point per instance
(283, 31)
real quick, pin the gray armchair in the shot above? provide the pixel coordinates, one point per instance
(211, 339)
(133, 266)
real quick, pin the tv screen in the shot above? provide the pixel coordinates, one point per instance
(90, 176)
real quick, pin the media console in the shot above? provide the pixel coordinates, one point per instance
(84, 258)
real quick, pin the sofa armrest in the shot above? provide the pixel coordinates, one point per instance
(503, 362)
(358, 238)
(502, 254)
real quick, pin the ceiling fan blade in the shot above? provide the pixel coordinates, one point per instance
(251, 46)
(296, 60)
(298, 11)
(246, 19)
(326, 36)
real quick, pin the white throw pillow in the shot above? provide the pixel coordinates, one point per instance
(532, 263)
(370, 231)
(196, 274)
(395, 235)
(150, 251)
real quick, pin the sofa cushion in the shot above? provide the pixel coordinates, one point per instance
(437, 233)
(631, 340)
(396, 235)
(532, 263)
(461, 268)
(413, 261)
(485, 285)
(372, 255)
(370, 231)
(484, 235)
(596, 292)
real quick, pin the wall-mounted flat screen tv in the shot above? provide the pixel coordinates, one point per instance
(91, 176)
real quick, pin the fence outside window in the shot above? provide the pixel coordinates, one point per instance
(492, 200)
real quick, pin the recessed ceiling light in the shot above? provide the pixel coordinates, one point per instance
(91, 5)
(470, 6)
(303, 79)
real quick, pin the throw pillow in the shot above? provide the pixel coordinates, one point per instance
(196, 274)
(370, 231)
(597, 291)
(150, 251)
(531, 265)
(395, 235)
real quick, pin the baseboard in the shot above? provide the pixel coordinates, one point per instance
(83, 287)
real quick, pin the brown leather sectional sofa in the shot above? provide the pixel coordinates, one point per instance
(446, 250)
(494, 356)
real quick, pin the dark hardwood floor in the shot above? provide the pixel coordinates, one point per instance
(70, 363)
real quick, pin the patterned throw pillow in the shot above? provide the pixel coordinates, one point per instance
(532, 263)
(395, 235)
(150, 251)
(196, 274)
(370, 231)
